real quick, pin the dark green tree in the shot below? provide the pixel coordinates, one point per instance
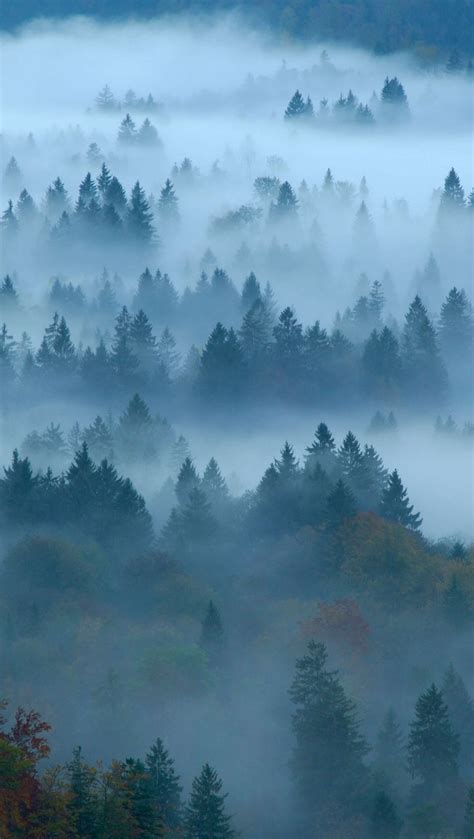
(140, 217)
(328, 759)
(165, 787)
(395, 504)
(433, 747)
(205, 813)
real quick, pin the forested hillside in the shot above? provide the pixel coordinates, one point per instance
(434, 28)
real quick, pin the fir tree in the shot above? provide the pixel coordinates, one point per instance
(127, 134)
(395, 504)
(205, 813)
(340, 505)
(452, 198)
(188, 479)
(140, 217)
(168, 212)
(214, 485)
(148, 135)
(296, 107)
(250, 292)
(82, 803)
(103, 181)
(328, 757)
(165, 786)
(433, 747)
(389, 752)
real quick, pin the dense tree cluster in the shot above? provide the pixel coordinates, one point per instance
(385, 27)
(362, 357)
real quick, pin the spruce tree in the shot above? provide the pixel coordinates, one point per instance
(328, 759)
(389, 753)
(296, 106)
(127, 134)
(188, 479)
(168, 212)
(395, 504)
(340, 505)
(205, 813)
(165, 787)
(82, 796)
(214, 485)
(433, 746)
(452, 197)
(140, 217)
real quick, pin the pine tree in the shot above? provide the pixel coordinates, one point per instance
(254, 333)
(188, 479)
(168, 355)
(115, 196)
(9, 222)
(26, 209)
(456, 327)
(423, 369)
(328, 757)
(322, 449)
(433, 747)
(168, 212)
(205, 813)
(148, 135)
(127, 134)
(82, 798)
(103, 181)
(88, 190)
(395, 504)
(105, 99)
(212, 634)
(165, 787)
(296, 107)
(214, 485)
(452, 198)
(140, 217)
(197, 522)
(340, 505)
(17, 491)
(12, 176)
(286, 204)
(250, 292)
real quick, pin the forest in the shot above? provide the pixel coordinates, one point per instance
(236, 426)
(432, 27)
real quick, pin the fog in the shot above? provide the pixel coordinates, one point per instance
(112, 652)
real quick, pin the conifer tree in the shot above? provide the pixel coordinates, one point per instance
(164, 786)
(205, 813)
(168, 212)
(26, 209)
(140, 217)
(296, 106)
(127, 134)
(340, 505)
(188, 479)
(9, 222)
(148, 135)
(82, 801)
(452, 198)
(254, 333)
(214, 485)
(328, 757)
(456, 327)
(250, 292)
(395, 504)
(115, 196)
(461, 713)
(103, 181)
(433, 747)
